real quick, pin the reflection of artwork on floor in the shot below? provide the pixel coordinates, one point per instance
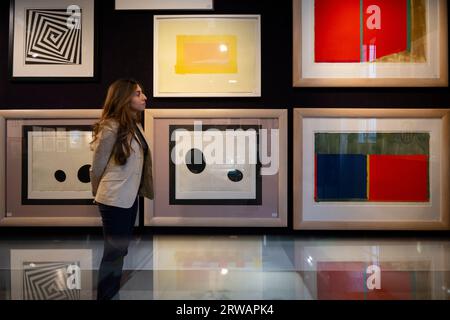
(50, 39)
(51, 274)
(49, 281)
(373, 167)
(375, 30)
(208, 253)
(349, 281)
(56, 163)
(232, 180)
(231, 259)
(206, 54)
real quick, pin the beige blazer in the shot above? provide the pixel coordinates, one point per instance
(114, 184)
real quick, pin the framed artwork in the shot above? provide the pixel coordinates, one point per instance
(209, 167)
(46, 168)
(51, 274)
(207, 56)
(374, 270)
(197, 268)
(385, 43)
(164, 4)
(371, 169)
(50, 146)
(240, 186)
(52, 40)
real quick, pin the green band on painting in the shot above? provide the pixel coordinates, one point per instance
(406, 143)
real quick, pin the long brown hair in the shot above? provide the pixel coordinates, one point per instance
(117, 108)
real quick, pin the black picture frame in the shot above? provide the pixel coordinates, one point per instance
(246, 202)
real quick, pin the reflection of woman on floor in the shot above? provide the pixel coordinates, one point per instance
(121, 170)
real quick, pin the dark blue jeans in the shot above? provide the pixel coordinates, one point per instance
(117, 230)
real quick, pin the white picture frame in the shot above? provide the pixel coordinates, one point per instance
(308, 73)
(207, 56)
(63, 273)
(12, 210)
(371, 215)
(43, 56)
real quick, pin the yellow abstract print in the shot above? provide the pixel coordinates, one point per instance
(206, 54)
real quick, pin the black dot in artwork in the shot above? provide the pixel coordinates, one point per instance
(83, 173)
(192, 161)
(60, 175)
(235, 175)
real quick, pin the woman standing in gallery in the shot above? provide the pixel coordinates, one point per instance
(121, 170)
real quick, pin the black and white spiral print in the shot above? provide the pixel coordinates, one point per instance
(47, 281)
(50, 39)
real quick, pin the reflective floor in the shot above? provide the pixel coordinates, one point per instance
(231, 267)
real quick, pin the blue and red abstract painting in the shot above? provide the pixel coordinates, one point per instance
(375, 167)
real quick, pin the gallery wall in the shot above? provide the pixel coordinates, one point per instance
(126, 50)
